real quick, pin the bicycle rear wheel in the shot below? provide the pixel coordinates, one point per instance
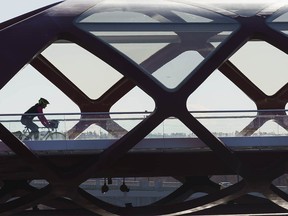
(56, 136)
(18, 134)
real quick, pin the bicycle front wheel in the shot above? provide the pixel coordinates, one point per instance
(56, 136)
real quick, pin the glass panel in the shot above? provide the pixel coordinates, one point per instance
(169, 52)
(279, 21)
(171, 128)
(188, 17)
(117, 16)
(89, 73)
(109, 125)
(281, 18)
(129, 120)
(170, 135)
(94, 132)
(164, 53)
(139, 52)
(225, 124)
(97, 126)
(270, 128)
(263, 64)
(98, 133)
(150, 11)
(244, 8)
(172, 73)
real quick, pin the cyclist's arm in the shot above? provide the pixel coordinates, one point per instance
(42, 118)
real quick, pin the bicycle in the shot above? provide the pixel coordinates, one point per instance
(50, 134)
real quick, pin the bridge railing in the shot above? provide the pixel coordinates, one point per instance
(89, 126)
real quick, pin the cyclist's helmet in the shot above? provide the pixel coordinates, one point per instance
(43, 101)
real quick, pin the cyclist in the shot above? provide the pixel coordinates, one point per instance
(28, 116)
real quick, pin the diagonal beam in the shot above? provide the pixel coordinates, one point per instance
(27, 155)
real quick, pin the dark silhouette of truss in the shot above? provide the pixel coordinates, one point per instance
(22, 40)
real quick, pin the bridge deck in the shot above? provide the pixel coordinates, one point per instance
(155, 144)
(170, 154)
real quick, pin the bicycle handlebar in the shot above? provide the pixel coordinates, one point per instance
(53, 124)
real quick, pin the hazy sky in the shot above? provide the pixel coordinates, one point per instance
(216, 93)
(12, 8)
(25, 94)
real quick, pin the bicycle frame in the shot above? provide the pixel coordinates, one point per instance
(50, 134)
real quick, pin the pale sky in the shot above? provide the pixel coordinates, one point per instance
(216, 93)
(25, 94)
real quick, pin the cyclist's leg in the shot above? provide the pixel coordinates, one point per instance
(34, 130)
(26, 121)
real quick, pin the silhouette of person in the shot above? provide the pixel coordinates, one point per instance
(29, 115)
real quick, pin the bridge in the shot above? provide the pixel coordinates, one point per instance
(165, 108)
(155, 164)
